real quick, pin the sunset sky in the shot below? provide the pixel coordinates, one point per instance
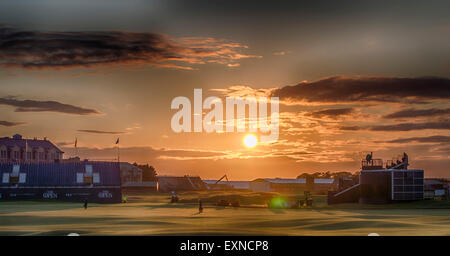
(352, 77)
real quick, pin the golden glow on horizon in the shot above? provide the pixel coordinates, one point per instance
(250, 141)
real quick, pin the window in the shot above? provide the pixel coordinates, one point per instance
(409, 181)
(398, 182)
(419, 196)
(407, 185)
(3, 154)
(408, 188)
(418, 188)
(409, 196)
(16, 154)
(398, 188)
(398, 175)
(399, 196)
(418, 175)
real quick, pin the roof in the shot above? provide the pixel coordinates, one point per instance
(167, 177)
(33, 143)
(281, 180)
(286, 180)
(235, 184)
(140, 184)
(392, 170)
(127, 166)
(324, 181)
(168, 183)
(295, 181)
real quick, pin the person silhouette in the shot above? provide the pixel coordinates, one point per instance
(200, 206)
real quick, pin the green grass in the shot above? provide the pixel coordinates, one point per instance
(152, 214)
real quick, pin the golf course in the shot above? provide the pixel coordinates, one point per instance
(153, 214)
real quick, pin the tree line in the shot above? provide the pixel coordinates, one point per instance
(148, 172)
(327, 175)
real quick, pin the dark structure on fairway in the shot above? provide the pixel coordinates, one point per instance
(291, 185)
(383, 185)
(180, 183)
(97, 182)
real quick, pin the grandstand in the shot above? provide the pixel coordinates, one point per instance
(76, 181)
(180, 183)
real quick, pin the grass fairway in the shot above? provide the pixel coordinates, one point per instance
(151, 214)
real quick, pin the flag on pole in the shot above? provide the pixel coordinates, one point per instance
(118, 152)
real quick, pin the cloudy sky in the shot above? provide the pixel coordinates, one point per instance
(352, 77)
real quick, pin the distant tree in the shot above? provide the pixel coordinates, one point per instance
(326, 175)
(315, 175)
(342, 174)
(148, 172)
(304, 175)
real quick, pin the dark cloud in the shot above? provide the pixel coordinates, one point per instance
(100, 132)
(443, 125)
(444, 149)
(293, 153)
(408, 113)
(46, 106)
(350, 128)
(145, 154)
(363, 89)
(439, 125)
(332, 113)
(429, 139)
(34, 49)
(10, 124)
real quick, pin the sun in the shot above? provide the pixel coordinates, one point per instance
(250, 141)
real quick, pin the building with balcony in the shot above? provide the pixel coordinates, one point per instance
(16, 149)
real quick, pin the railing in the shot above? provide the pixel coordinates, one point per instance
(372, 164)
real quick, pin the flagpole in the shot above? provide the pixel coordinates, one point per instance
(26, 150)
(76, 147)
(118, 150)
